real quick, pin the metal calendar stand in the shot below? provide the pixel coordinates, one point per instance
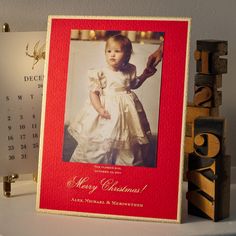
(8, 180)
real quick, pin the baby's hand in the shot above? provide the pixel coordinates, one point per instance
(104, 113)
(149, 71)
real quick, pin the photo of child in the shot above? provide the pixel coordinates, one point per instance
(112, 126)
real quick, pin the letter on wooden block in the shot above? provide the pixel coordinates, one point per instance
(206, 145)
(192, 113)
(206, 90)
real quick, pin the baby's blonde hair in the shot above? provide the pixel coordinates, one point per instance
(126, 45)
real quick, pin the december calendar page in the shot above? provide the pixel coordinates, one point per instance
(21, 84)
(112, 131)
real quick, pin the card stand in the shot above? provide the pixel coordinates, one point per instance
(208, 168)
(7, 181)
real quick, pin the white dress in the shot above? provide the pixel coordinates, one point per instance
(110, 141)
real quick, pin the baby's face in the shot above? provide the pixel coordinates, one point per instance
(115, 55)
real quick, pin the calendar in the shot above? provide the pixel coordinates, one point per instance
(21, 82)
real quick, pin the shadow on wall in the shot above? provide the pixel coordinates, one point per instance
(70, 144)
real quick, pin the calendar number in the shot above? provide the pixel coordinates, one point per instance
(34, 126)
(23, 156)
(11, 157)
(35, 145)
(11, 148)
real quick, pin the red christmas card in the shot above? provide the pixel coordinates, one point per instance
(112, 128)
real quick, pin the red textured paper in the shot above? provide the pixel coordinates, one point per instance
(160, 198)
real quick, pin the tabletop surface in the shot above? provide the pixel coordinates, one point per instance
(19, 218)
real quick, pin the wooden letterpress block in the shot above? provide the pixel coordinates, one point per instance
(206, 90)
(209, 170)
(189, 129)
(209, 136)
(214, 111)
(214, 46)
(185, 166)
(208, 55)
(192, 113)
(188, 145)
(208, 194)
(201, 186)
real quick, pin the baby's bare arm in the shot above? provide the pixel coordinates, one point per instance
(95, 100)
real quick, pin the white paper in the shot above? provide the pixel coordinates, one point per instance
(21, 81)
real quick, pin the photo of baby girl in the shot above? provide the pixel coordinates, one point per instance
(106, 122)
